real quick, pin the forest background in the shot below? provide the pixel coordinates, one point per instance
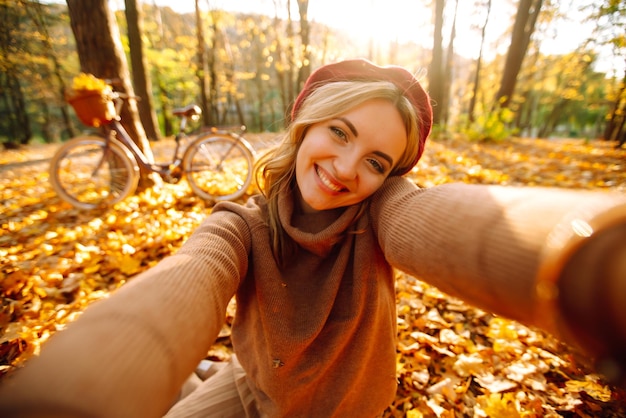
(245, 69)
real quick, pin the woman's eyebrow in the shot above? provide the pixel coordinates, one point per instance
(385, 157)
(352, 128)
(350, 125)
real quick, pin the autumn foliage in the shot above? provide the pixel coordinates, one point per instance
(453, 360)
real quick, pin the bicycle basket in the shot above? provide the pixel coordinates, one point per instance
(93, 107)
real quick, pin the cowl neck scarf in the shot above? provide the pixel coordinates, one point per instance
(319, 243)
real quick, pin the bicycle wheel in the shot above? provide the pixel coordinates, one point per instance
(218, 167)
(90, 172)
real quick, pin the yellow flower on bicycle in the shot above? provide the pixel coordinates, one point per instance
(91, 99)
(89, 82)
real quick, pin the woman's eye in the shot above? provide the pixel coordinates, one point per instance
(339, 133)
(376, 165)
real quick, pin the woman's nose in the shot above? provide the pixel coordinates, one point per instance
(345, 167)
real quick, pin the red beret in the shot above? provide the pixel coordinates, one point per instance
(363, 70)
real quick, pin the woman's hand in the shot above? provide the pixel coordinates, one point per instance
(592, 297)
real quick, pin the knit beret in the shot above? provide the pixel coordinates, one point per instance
(363, 70)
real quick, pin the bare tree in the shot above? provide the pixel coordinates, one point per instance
(141, 78)
(34, 10)
(610, 19)
(479, 60)
(291, 58)
(202, 67)
(279, 56)
(157, 40)
(305, 29)
(257, 59)
(617, 118)
(285, 60)
(230, 73)
(435, 72)
(448, 71)
(16, 126)
(525, 20)
(212, 61)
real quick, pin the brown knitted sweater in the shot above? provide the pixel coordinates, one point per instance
(318, 337)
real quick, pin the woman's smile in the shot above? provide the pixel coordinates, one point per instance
(344, 160)
(327, 181)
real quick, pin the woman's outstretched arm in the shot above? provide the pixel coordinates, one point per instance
(128, 355)
(516, 252)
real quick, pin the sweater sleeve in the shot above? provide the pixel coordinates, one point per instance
(128, 355)
(499, 248)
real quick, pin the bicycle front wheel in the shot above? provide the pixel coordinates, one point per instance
(90, 172)
(218, 167)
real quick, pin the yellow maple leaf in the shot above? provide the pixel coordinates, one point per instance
(414, 413)
(128, 264)
(498, 405)
(593, 389)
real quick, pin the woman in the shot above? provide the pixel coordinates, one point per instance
(311, 264)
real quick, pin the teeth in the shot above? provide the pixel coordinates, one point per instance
(327, 181)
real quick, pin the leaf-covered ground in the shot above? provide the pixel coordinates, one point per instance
(453, 360)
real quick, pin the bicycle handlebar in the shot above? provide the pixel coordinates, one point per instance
(124, 96)
(113, 81)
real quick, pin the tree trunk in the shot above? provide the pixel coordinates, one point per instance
(100, 53)
(19, 131)
(231, 76)
(281, 65)
(201, 71)
(162, 90)
(15, 126)
(448, 72)
(479, 60)
(292, 91)
(305, 69)
(611, 132)
(35, 11)
(621, 133)
(435, 73)
(552, 119)
(258, 61)
(141, 77)
(212, 72)
(527, 14)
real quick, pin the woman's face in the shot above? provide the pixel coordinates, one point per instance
(344, 160)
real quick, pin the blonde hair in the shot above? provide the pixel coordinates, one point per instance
(275, 170)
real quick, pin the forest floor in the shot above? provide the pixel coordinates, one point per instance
(453, 360)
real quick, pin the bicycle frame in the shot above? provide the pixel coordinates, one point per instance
(164, 169)
(123, 137)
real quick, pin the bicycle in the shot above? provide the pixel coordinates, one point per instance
(102, 169)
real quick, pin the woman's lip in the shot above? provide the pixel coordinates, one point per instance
(327, 181)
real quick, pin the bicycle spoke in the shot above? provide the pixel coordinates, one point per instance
(89, 172)
(219, 168)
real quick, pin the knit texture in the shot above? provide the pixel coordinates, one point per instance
(317, 339)
(487, 245)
